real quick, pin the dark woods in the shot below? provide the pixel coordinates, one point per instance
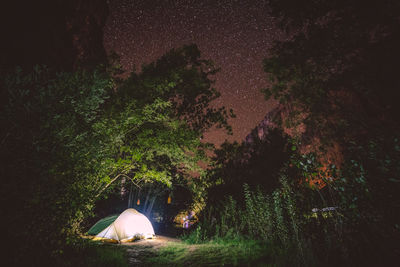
(317, 181)
(326, 191)
(75, 134)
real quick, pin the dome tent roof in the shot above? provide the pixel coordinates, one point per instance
(129, 225)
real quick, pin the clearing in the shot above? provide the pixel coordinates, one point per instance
(167, 251)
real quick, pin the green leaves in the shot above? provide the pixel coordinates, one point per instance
(77, 135)
(161, 113)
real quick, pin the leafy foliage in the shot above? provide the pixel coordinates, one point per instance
(338, 71)
(336, 78)
(257, 164)
(339, 66)
(50, 152)
(68, 138)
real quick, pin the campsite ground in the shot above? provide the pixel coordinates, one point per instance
(138, 252)
(166, 249)
(169, 251)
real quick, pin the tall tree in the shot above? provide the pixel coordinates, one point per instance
(67, 137)
(159, 115)
(337, 78)
(339, 66)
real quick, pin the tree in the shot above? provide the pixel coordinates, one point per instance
(339, 66)
(337, 75)
(50, 154)
(256, 164)
(159, 115)
(66, 138)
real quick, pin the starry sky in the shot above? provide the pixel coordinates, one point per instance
(235, 34)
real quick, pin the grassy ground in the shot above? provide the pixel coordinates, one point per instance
(213, 253)
(94, 254)
(106, 256)
(164, 251)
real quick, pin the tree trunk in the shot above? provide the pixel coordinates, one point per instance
(122, 191)
(150, 208)
(147, 200)
(130, 199)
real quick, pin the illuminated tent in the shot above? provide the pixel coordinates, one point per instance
(129, 225)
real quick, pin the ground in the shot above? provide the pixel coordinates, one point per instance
(140, 250)
(167, 251)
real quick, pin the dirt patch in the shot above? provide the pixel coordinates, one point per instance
(141, 249)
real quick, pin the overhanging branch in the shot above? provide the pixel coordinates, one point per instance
(113, 180)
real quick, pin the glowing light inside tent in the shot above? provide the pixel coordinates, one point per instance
(130, 225)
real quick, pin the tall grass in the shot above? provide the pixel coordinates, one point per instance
(362, 229)
(269, 218)
(353, 233)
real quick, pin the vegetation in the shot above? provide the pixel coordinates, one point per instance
(337, 201)
(213, 253)
(338, 71)
(69, 138)
(321, 188)
(90, 254)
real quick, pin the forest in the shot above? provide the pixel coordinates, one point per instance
(316, 183)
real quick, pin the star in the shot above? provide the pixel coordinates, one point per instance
(236, 35)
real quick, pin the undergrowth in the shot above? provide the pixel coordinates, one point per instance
(91, 254)
(213, 253)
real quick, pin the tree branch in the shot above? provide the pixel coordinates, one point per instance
(113, 180)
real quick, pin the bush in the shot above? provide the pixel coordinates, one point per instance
(268, 218)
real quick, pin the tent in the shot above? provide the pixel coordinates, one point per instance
(102, 224)
(128, 226)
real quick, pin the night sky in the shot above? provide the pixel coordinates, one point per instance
(234, 34)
